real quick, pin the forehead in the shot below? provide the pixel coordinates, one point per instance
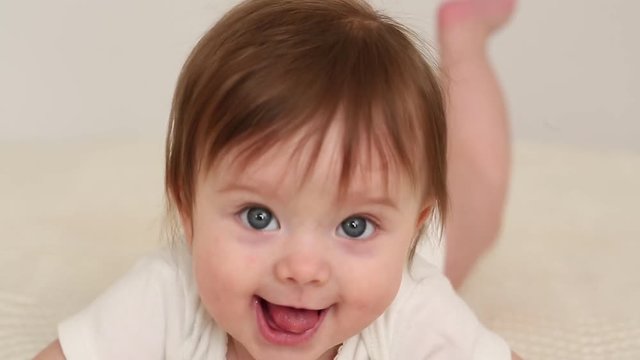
(308, 160)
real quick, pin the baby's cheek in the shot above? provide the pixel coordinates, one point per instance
(207, 279)
(219, 290)
(376, 293)
(223, 270)
(209, 269)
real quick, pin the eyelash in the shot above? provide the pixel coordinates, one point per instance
(239, 210)
(376, 223)
(370, 218)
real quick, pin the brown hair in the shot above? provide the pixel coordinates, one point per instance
(270, 69)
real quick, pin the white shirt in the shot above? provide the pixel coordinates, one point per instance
(154, 312)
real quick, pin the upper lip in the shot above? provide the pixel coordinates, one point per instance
(295, 306)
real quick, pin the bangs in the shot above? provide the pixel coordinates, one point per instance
(349, 73)
(359, 147)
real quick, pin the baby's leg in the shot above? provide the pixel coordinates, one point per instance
(479, 152)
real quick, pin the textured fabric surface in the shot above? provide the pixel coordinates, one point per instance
(562, 283)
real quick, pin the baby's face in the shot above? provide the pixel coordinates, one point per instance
(292, 270)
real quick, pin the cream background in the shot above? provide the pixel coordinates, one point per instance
(78, 68)
(86, 88)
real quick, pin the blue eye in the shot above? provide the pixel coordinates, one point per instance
(356, 227)
(259, 218)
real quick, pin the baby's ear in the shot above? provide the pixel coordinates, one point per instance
(187, 226)
(423, 216)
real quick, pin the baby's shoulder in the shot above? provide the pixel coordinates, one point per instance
(168, 265)
(429, 303)
(157, 298)
(422, 283)
(427, 314)
(169, 268)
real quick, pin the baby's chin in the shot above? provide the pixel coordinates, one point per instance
(255, 351)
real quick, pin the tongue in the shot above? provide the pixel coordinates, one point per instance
(292, 320)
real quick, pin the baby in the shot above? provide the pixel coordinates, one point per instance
(306, 154)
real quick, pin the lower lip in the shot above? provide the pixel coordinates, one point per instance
(278, 337)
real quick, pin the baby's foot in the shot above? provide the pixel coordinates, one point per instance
(489, 15)
(465, 25)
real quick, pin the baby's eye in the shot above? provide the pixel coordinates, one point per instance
(356, 227)
(259, 218)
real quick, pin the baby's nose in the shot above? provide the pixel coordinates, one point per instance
(303, 266)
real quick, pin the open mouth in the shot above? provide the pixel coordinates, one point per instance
(285, 325)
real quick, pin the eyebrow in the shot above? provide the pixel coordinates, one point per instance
(383, 201)
(233, 187)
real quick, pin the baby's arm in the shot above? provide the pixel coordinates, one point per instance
(479, 150)
(137, 306)
(51, 352)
